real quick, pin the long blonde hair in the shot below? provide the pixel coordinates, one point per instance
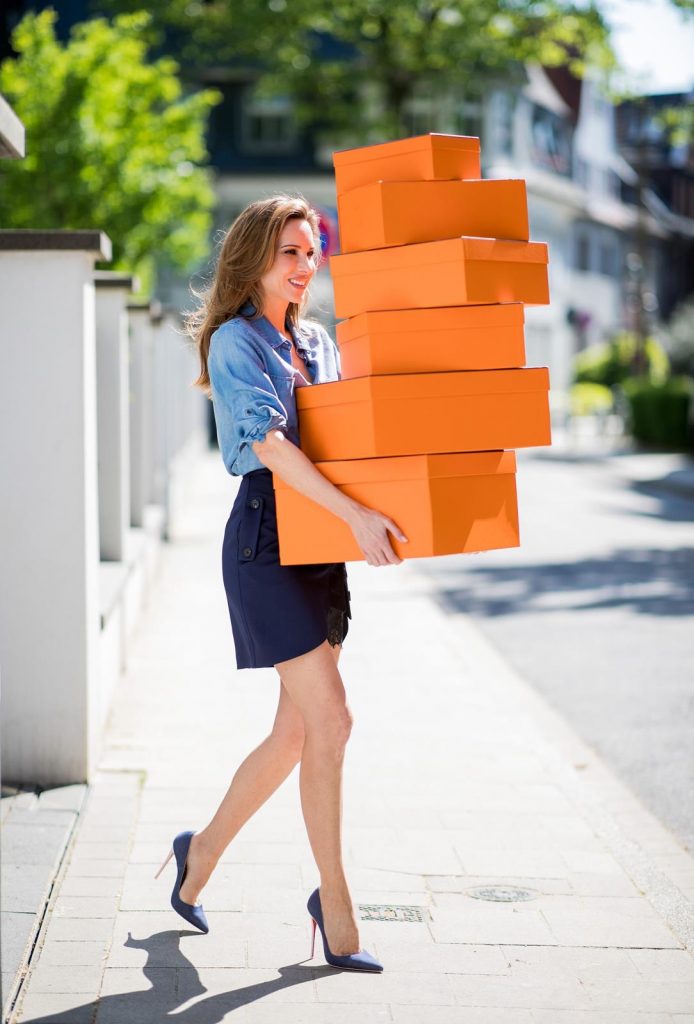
(248, 250)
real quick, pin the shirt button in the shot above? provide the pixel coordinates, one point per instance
(247, 552)
(255, 503)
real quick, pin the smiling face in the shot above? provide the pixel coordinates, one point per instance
(296, 257)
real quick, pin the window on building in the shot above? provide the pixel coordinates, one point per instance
(551, 141)
(607, 263)
(268, 124)
(581, 171)
(504, 108)
(582, 251)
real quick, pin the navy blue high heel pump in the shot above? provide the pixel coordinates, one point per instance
(361, 961)
(192, 913)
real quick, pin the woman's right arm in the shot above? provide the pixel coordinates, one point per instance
(369, 527)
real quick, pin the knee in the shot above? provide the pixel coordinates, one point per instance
(333, 730)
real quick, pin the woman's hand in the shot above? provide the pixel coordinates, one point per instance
(370, 527)
(371, 531)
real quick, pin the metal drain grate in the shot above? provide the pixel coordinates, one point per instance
(502, 893)
(390, 912)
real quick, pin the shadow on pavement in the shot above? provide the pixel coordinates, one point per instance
(649, 581)
(174, 982)
(675, 506)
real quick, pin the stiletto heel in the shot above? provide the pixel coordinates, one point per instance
(313, 938)
(193, 914)
(168, 858)
(361, 961)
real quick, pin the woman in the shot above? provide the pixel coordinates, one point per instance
(255, 350)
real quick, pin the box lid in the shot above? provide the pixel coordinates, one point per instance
(435, 318)
(412, 467)
(437, 140)
(447, 250)
(399, 386)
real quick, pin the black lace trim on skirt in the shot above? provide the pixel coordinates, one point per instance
(339, 611)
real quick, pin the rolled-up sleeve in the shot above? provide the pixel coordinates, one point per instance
(246, 403)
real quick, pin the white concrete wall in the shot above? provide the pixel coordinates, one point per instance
(141, 411)
(113, 417)
(49, 543)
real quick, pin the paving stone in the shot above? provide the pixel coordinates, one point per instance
(106, 833)
(438, 884)
(95, 885)
(584, 963)
(601, 1017)
(455, 1015)
(25, 887)
(100, 851)
(664, 964)
(85, 906)
(96, 869)
(593, 883)
(39, 816)
(447, 958)
(75, 929)
(65, 798)
(492, 922)
(606, 921)
(129, 996)
(52, 978)
(323, 1013)
(229, 987)
(33, 844)
(643, 995)
(552, 992)
(86, 953)
(61, 1008)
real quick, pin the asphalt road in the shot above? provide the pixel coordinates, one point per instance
(596, 610)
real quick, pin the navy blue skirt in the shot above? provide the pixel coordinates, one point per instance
(277, 611)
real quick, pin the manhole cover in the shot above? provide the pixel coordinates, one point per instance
(388, 912)
(502, 893)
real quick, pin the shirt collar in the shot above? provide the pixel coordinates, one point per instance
(270, 333)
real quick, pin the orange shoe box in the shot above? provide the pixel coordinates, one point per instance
(419, 158)
(430, 340)
(424, 413)
(388, 213)
(444, 504)
(453, 272)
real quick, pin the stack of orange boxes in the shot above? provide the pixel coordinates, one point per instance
(434, 271)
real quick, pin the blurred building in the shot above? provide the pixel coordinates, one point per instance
(614, 201)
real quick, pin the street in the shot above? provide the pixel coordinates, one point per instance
(596, 611)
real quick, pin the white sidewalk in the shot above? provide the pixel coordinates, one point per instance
(460, 782)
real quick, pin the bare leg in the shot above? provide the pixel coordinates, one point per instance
(315, 685)
(256, 778)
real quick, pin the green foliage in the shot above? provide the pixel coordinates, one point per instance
(390, 51)
(660, 412)
(112, 143)
(611, 362)
(587, 399)
(678, 338)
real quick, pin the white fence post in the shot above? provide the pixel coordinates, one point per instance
(49, 541)
(141, 411)
(113, 392)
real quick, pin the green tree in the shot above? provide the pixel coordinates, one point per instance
(390, 51)
(112, 142)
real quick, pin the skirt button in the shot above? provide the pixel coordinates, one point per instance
(247, 552)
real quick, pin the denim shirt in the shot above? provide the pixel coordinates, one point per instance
(253, 382)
